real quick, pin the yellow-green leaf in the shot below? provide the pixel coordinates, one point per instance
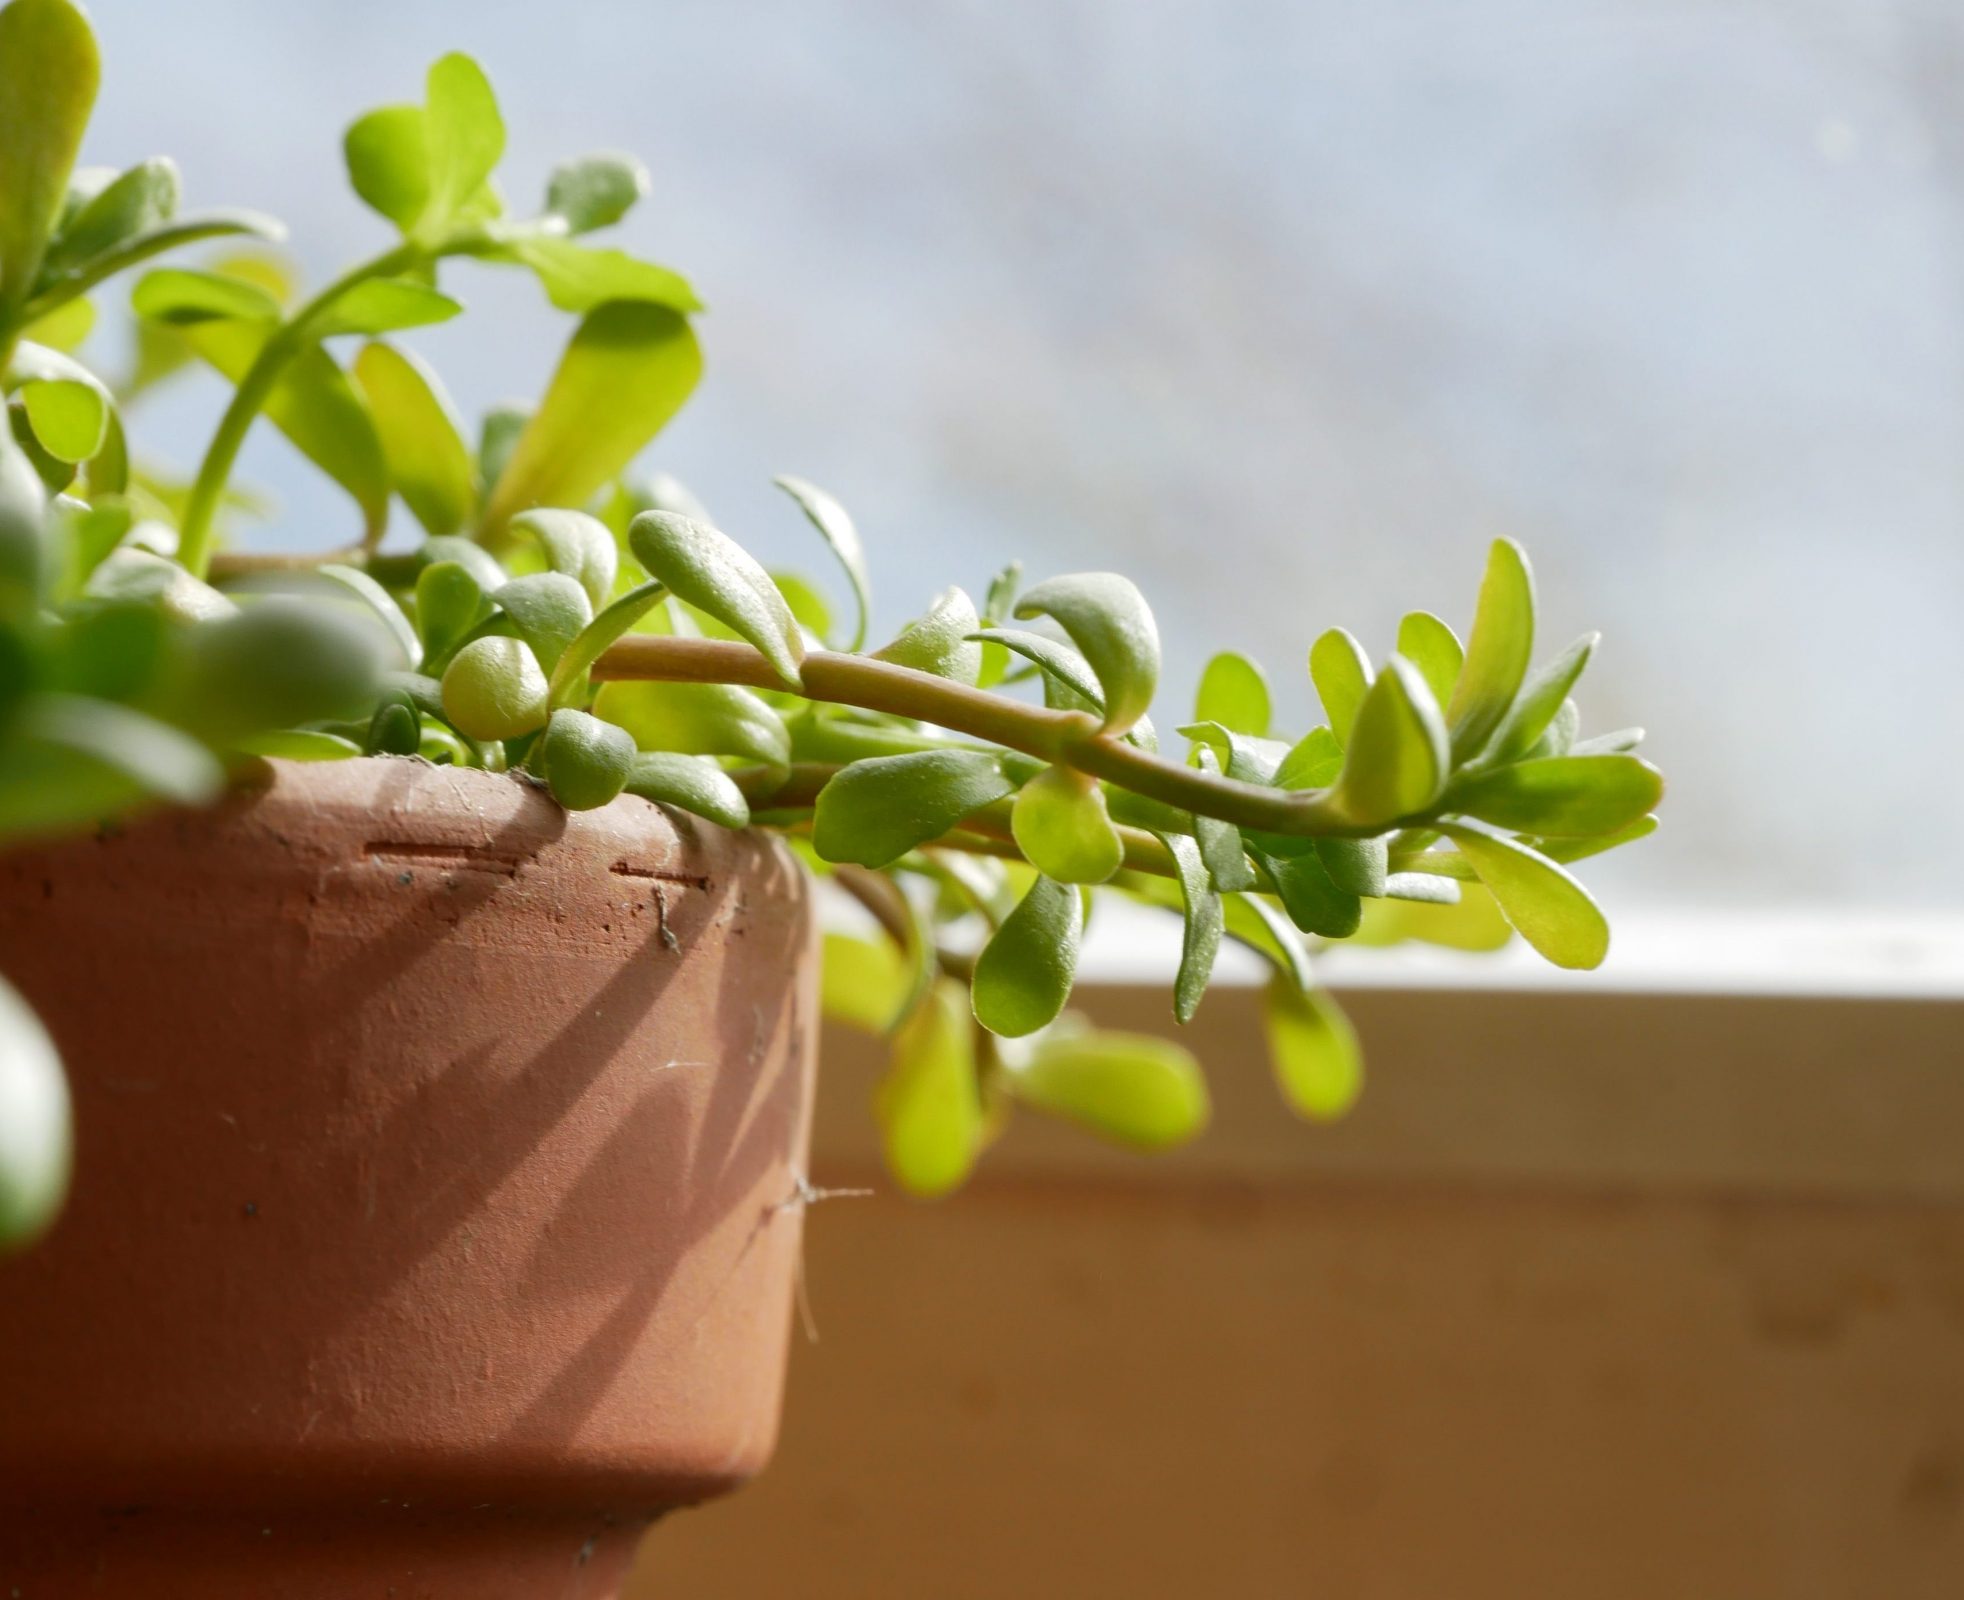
(1313, 1050)
(929, 1105)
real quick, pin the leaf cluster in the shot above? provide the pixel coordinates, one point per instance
(979, 783)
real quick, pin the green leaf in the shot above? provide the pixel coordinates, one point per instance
(586, 761)
(66, 327)
(578, 277)
(465, 133)
(1356, 865)
(1342, 673)
(382, 603)
(550, 611)
(1539, 702)
(577, 545)
(1265, 929)
(806, 603)
(383, 305)
(1566, 850)
(137, 202)
(1060, 662)
(49, 70)
(422, 441)
(929, 1104)
(298, 744)
(494, 688)
(1432, 647)
(1547, 907)
(317, 408)
(1204, 922)
(278, 664)
(628, 369)
(690, 783)
(468, 554)
(388, 156)
(1558, 738)
(714, 573)
(1313, 1050)
(1566, 796)
(864, 982)
(1220, 844)
(62, 290)
(36, 1129)
(181, 297)
(1140, 1091)
(1312, 899)
(1313, 761)
(609, 624)
(836, 528)
(69, 418)
(697, 719)
(941, 641)
(157, 757)
(595, 191)
(1497, 652)
(1396, 758)
(1473, 923)
(873, 812)
(1109, 622)
(1023, 976)
(1233, 693)
(1061, 824)
(449, 603)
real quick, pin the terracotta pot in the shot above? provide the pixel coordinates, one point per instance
(430, 1230)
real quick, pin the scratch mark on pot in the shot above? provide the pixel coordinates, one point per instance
(472, 858)
(691, 880)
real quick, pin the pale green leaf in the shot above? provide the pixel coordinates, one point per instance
(550, 611)
(578, 277)
(384, 305)
(181, 296)
(1539, 701)
(941, 641)
(1233, 693)
(697, 719)
(577, 545)
(836, 528)
(36, 1128)
(465, 134)
(929, 1104)
(873, 812)
(1109, 622)
(1203, 923)
(1060, 823)
(1432, 647)
(1313, 1050)
(864, 982)
(49, 69)
(1497, 651)
(1060, 662)
(388, 156)
(1023, 976)
(717, 575)
(694, 784)
(1563, 796)
(382, 603)
(629, 367)
(494, 688)
(1396, 758)
(136, 202)
(1341, 672)
(1547, 907)
(69, 418)
(609, 624)
(422, 441)
(1137, 1090)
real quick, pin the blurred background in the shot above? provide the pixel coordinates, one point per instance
(1284, 307)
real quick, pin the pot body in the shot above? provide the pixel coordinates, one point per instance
(433, 1222)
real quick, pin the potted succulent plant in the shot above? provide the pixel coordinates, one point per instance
(411, 948)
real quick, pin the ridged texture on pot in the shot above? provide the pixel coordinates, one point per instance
(433, 1151)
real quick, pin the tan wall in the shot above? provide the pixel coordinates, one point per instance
(1596, 1297)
